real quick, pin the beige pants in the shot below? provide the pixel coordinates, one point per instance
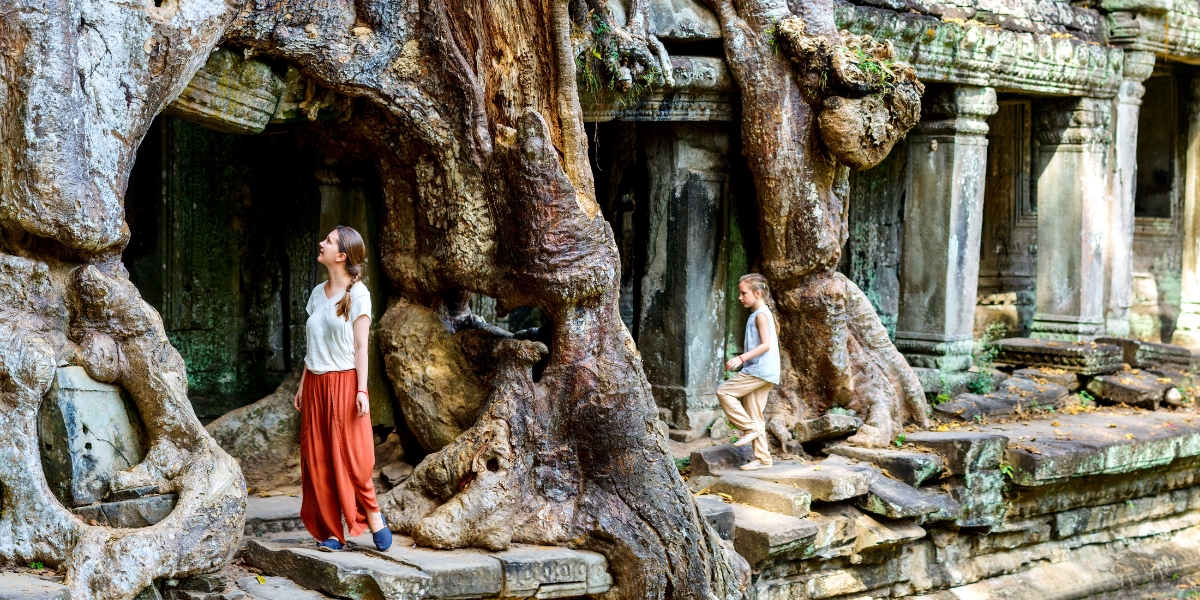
(749, 418)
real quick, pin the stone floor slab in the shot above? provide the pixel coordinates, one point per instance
(1140, 354)
(345, 574)
(1085, 358)
(454, 574)
(552, 572)
(716, 513)
(22, 586)
(1061, 377)
(1131, 388)
(708, 461)
(273, 514)
(897, 500)
(962, 451)
(276, 588)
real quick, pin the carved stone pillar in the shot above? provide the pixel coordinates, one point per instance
(1119, 261)
(943, 212)
(1187, 328)
(1072, 188)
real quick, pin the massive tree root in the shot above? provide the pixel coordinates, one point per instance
(472, 118)
(80, 82)
(827, 102)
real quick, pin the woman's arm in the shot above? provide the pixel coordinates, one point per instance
(300, 389)
(362, 329)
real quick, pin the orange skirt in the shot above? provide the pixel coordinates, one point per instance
(337, 455)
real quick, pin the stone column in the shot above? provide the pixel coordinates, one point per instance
(680, 321)
(1119, 260)
(1071, 168)
(943, 213)
(1187, 328)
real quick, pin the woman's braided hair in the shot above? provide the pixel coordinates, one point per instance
(351, 244)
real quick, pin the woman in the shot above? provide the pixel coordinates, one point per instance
(337, 452)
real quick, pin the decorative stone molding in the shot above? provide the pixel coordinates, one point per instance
(703, 91)
(969, 54)
(1073, 121)
(958, 109)
(1164, 27)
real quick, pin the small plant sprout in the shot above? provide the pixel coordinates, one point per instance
(1007, 470)
(900, 440)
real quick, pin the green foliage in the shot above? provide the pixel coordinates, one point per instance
(942, 398)
(683, 463)
(900, 440)
(979, 418)
(596, 65)
(985, 354)
(1007, 470)
(980, 385)
(37, 566)
(1086, 398)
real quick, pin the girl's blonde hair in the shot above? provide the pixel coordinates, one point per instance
(351, 244)
(756, 282)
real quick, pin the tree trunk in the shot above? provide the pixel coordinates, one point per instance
(807, 112)
(470, 111)
(80, 82)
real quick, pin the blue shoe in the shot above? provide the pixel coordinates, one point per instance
(330, 545)
(383, 537)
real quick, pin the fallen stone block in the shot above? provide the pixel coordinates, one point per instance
(22, 586)
(1029, 393)
(913, 468)
(968, 407)
(272, 515)
(827, 427)
(825, 482)
(877, 533)
(552, 572)
(452, 573)
(962, 452)
(767, 495)
(1085, 358)
(761, 535)
(1180, 379)
(714, 459)
(276, 588)
(1131, 388)
(1140, 354)
(1062, 377)
(343, 574)
(140, 512)
(835, 533)
(396, 472)
(717, 514)
(88, 431)
(897, 500)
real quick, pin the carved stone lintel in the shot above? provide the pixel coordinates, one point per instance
(1073, 121)
(960, 109)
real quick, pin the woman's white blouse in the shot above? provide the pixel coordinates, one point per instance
(330, 337)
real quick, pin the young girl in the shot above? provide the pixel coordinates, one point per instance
(760, 371)
(337, 452)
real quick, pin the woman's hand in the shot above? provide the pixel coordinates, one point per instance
(734, 363)
(363, 404)
(296, 400)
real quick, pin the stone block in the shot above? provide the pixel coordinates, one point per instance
(207, 582)
(1141, 354)
(913, 468)
(1067, 379)
(272, 515)
(276, 588)
(714, 459)
(761, 535)
(140, 512)
(767, 495)
(149, 592)
(962, 452)
(23, 586)
(717, 514)
(827, 427)
(877, 533)
(88, 430)
(825, 482)
(1132, 388)
(343, 574)
(396, 472)
(835, 531)
(1084, 358)
(1180, 379)
(231, 94)
(967, 407)
(1029, 393)
(897, 500)
(552, 572)
(453, 573)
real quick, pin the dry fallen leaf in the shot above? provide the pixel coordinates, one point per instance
(1129, 436)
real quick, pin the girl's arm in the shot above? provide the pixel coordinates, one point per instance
(300, 390)
(764, 330)
(362, 328)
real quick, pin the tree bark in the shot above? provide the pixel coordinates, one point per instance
(80, 82)
(810, 106)
(470, 112)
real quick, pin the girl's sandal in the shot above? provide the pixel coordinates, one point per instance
(383, 537)
(330, 545)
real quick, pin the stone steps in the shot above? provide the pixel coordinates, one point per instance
(273, 514)
(421, 573)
